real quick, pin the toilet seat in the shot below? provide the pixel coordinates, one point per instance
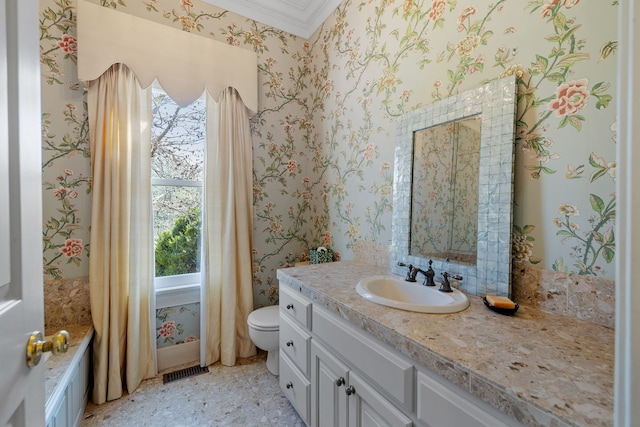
(265, 318)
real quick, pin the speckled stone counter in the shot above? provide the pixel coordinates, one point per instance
(542, 369)
(57, 366)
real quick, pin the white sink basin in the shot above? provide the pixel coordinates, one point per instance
(393, 291)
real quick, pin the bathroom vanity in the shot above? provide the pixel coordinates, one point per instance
(345, 361)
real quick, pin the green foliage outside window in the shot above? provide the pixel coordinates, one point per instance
(178, 250)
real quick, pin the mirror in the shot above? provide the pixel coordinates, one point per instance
(444, 191)
(480, 252)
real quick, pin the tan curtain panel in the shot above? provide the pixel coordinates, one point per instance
(120, 265)
(117, 54)
(184, 64)
(228, 291)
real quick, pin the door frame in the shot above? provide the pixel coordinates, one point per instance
(627, 359)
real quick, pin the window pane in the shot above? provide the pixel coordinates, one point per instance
(177, 138)
(177, 223)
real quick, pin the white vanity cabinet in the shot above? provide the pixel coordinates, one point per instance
(295, 350)
(341, 398)
(355, 381)
(335, 374)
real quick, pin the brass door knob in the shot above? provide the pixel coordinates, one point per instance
(37, 345)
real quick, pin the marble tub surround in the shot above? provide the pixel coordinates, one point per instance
(66, 302)
(540, 368)
(587, 298)
(57, 366)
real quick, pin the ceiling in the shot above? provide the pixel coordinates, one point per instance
(299, 17)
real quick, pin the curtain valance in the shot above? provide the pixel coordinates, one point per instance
(184, 64)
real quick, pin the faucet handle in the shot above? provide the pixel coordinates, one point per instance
(411, 274)
(445, 286)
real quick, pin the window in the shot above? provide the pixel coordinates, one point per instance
(177, 176)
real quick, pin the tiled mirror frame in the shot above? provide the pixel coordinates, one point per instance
(496, 101)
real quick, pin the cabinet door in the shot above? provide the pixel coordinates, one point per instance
(329, 378)
(367, 408)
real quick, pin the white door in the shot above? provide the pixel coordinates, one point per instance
(21, 297)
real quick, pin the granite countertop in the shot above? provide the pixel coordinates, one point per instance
(540, 368)
(57, 366)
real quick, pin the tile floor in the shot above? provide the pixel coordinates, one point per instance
(242, 395)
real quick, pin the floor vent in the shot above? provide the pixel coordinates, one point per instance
(184, 373)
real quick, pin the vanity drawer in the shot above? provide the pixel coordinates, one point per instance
(389, 371)
(295, 343)
(296, 387)
(295, 306)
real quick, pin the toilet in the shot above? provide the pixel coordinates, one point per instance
(264, 331)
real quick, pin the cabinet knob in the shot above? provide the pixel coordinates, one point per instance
(340, 381)
(289, 385)
(350, 390)
(289, 343)
(289, 306)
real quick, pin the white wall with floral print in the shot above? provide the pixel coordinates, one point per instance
(177, 325)
(323, 138)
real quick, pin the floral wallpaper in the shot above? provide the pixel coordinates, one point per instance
(324, 134)
(444, 205)
(66, 160)
(177, 325)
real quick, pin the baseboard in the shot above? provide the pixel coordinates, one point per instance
(177, 355)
